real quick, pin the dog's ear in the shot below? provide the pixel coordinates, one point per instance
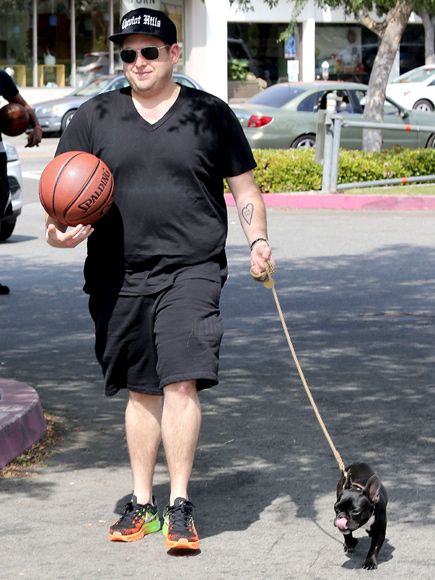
(347, 483)
(373, 488)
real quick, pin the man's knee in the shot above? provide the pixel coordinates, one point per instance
(181, 389)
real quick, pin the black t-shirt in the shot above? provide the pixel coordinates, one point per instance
(169, 215)
(8, 88)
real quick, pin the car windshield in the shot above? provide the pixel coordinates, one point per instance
(276, 95)
(416, 76)
(95, 87)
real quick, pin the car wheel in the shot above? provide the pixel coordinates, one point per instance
(304, 142)
(67, 119)
(6, 229)
(431, 142)
(423, 105)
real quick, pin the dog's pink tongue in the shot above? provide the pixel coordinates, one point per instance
(341, 523)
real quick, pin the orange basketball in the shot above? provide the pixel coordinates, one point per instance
(14, 119)
(76, 188)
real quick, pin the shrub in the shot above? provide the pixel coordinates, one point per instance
(292, 170)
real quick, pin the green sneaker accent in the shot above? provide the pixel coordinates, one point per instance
(136, 522)
(179, 527)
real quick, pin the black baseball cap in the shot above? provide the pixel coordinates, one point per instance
(146, 21)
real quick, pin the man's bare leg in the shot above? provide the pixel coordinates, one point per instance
(143, 417)
(181, 421)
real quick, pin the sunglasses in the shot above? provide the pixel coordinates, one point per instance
(129, 55)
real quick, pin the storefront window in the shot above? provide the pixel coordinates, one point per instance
(342, 48)
(16, 40)
(350, 50)
(257, 47)
(92, 32)
(53, 43)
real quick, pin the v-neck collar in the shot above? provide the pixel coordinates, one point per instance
(172, 109)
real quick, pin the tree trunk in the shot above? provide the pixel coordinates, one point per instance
(429, 37)
(396, 21)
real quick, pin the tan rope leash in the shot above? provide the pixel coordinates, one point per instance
(270, 283)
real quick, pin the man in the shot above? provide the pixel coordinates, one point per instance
(9, 91)
(156, 262)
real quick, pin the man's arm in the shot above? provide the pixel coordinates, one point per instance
(252, 216)
(35, 136)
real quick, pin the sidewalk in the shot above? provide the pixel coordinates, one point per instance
(342, 201)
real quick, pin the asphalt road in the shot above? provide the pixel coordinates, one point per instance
(358, 293)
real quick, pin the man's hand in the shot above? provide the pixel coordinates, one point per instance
(262, 262)
(34, 138)
(58, 238)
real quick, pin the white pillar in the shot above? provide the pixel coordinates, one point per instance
(216, 49)
(308, 49)
(206, 45)
(195, 40)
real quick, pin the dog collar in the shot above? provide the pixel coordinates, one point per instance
(357, 485)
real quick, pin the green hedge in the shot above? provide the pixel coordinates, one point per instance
(281, 170)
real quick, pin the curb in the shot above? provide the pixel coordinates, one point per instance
(340, 201)
(22, 421)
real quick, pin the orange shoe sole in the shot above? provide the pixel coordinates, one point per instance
(182, 544)
(117, 537)
(148, 528)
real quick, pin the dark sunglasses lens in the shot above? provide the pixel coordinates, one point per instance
(150, 52)
(128, 55)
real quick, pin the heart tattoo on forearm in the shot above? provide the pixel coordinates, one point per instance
(248, 212)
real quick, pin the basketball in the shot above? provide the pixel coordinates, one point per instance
(14, 119)
(76, 188)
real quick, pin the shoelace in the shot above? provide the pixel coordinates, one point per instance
(181, 516)
(131, 513)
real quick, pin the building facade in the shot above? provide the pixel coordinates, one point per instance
(47, 43)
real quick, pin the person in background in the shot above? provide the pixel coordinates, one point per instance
(9, 91)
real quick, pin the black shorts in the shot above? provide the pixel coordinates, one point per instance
(144, 343)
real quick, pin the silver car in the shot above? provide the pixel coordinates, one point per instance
(7, 224)
(55, 115)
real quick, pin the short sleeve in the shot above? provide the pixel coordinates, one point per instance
(235, 152)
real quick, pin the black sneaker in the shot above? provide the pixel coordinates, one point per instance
(4, 289)
(179, 527)
(136, 522)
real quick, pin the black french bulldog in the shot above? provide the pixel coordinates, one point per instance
(361, 501)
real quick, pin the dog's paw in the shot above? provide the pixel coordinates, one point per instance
(349, 545)
(370, 563)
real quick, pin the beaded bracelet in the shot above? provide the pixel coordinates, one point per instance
(258, 240)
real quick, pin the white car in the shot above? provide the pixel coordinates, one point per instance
(7, 223)
(415, 89)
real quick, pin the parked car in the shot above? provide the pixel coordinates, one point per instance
(55, 115)
(7, 223)
(285, 116)
(94, 64)
(415, 89)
